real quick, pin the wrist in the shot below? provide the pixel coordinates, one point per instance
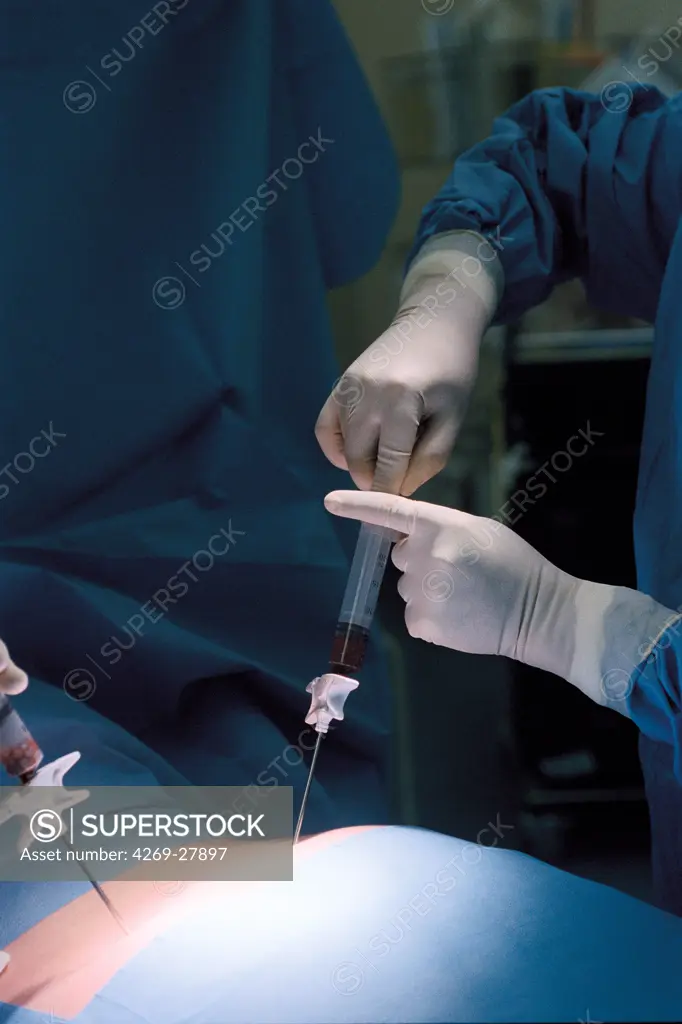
(548, 624)
(456, 275)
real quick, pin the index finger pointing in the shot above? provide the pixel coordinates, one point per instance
(375, 507)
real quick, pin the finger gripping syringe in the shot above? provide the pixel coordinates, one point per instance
(351, 637)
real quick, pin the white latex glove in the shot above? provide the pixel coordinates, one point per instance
(473, 585)
(393, 418)
(12, 678)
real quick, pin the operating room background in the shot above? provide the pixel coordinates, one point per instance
(479, 741)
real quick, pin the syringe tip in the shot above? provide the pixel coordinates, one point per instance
(329, 693)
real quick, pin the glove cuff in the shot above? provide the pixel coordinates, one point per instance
(467, 267)
(616, 629)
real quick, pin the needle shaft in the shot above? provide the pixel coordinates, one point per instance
(99, 890)
(299, 823)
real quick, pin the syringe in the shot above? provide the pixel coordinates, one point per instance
(350, 639)
(21, 757)
(360, 599)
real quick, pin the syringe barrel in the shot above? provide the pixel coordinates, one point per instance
(366, 574)
(20, 755)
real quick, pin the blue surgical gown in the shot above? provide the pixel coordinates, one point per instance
(180, 185)
(573, 188)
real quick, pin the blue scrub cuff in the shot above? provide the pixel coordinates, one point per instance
(655, 699)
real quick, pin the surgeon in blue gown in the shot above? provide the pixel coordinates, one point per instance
(180, 185)
(565, 187)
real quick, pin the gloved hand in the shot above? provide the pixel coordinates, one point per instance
(473, 585)
(393, 418)
(12, 678)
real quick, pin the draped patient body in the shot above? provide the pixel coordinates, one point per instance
(379, 924)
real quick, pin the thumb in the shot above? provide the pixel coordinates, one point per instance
(12, 679)
(387, 510)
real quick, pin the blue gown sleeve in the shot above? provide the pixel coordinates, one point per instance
(655, 697)
(570, 189)
(354, 187)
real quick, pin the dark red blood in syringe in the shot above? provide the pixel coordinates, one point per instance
(21, 760)
(349, 649)
(20, 755)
